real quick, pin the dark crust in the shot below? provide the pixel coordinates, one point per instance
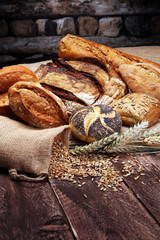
(94, 61)
(63, 94)
(96, 129)
(68, 70)
(61, 63)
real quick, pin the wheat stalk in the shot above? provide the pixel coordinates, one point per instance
(93, 147)
(135, 139)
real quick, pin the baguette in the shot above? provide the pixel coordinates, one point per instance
(72, 46)
(145, 74)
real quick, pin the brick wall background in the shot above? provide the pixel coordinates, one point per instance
(31, 30)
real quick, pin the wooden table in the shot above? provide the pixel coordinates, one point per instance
(55, 209)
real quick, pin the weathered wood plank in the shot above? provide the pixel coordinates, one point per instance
(118, 216)
(30, 211)
(144, 183)
(83, 7)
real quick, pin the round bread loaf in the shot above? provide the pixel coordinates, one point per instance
(12, 74)
(91, 123)
(36, 105)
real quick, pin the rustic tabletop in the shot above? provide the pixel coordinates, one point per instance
(56, 209)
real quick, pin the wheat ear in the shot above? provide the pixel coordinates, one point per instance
(93, 147)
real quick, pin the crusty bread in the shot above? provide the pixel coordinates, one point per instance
(85, 88)
(136, 107)
(12, 74)
(92, 123)
(142, 78)
(72, 46)
(36, 105)
(4, 105)
(112, 87)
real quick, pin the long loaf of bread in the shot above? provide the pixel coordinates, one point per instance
(140, 75)
(72, 46)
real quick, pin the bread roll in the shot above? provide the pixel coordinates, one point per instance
(136, 107)
(92, 123)
(142, 78)
(12, 74)
(36, 105)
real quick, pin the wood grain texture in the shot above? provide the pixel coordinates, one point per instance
(145, 184)
(118, 216)
(50, 44)
(30, 211)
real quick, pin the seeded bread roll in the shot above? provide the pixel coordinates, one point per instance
(92, 123)
(136, 107)
(36, 105)
(12, 74)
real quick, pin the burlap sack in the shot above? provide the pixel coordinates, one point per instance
(27, 149)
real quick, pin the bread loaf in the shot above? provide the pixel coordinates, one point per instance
(142, 78)
(84, 87)
(92, 123)
(4, 105)
(136, 107)
(12, 74)
(74, 47)
(36, 105)
(112, 87)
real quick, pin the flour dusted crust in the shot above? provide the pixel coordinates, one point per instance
(92, 123)
(136, 107)
(36, 105)
(12, 74)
